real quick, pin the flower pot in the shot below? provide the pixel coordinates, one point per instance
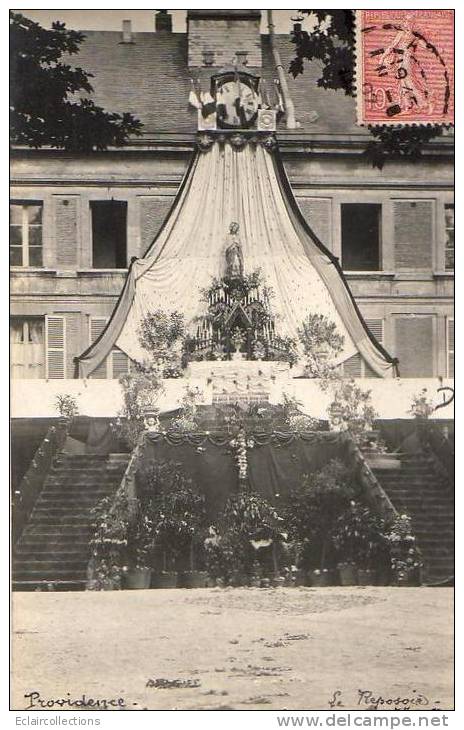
(301, 578)
(137, 578)
(255, 581)
(348, 574)
(164, 580)
(366, 577)
(238, 579)
(319, 579)
(193, 579)
(278, 581)
(265, 583)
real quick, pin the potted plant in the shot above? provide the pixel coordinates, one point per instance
(359, 539)
(139, 549)
(311, 517)
(176, 512)
(108, 543)
(67, 407)
(406, 561)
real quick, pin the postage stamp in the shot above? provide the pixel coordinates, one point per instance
(405, 66)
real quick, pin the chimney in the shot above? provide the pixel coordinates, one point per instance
(127, 31)
(163, 21)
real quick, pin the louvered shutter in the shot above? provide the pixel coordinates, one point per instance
(414, 345)
(352, 368)
(96, 327)
(318, 214)
(450, 347)
(414, 234)
(55, 346)
(355, 366)
(120, 363)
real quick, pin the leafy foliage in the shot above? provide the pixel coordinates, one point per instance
(141, 390)
(50, 104)
(66, 405)
(321, 343)
(331, 45)
(110, 527)
(422, 405)
(174, 508)
(360, 537)
(351, 410)
(313, 510)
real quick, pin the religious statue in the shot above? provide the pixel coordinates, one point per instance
(233, 254)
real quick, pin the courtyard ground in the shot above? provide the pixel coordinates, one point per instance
(236, 649)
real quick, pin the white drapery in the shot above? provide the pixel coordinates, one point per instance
(227, 184)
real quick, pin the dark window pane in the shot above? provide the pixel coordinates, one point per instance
(109, 234)
(16, 213)
(35, 256)
(361, 236)
(16, 256)
(34, 213)
(16, 235)
(35, 236)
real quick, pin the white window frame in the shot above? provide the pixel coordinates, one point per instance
(25, 226)
(448, 228)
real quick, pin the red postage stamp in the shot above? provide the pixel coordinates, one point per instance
(405, 66)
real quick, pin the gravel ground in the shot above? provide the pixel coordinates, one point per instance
(236, 649)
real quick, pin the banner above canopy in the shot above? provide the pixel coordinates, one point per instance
(235, 179)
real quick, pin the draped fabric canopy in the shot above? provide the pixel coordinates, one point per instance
(247, 185)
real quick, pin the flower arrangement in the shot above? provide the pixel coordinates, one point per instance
(352, 410)
(406, 560)
(293, 417)
(161, 334)
(66, 405)
(321, 342)
(141, 389)
(109, 541)
(186, 420)
(422, 406)
(240, 444)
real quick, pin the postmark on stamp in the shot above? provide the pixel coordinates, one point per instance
(405, 66)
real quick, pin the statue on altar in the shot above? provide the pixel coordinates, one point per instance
(233, 254)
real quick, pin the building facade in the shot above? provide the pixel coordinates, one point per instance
(78, 220)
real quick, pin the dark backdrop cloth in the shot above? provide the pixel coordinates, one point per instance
(276, 463)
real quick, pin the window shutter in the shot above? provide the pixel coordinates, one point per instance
(120, 363)
(414, 346)
(413, 234)
(66, 232)
(375, 327)
(96, 327)
(352, 368)
(153, 211)
(318, 215)
(55, 346)
(450, 347)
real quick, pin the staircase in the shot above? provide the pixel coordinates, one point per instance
(417, 490)
(53, 550)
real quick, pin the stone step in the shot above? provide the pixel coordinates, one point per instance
(43, 585)
(54, 573)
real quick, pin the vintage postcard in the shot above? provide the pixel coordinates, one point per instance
(232, 364)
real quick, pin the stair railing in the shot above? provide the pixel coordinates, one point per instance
(439, 447)
(373, 490)
(25, 497)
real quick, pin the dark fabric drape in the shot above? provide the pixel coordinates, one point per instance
(276, 463)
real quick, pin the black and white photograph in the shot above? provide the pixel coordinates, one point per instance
(232, 363)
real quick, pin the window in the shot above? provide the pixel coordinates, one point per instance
(361, 236)
(449, 237)
(26, 234)
(109, 234)
(355, 366)
(450, 347)
(27, 348)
